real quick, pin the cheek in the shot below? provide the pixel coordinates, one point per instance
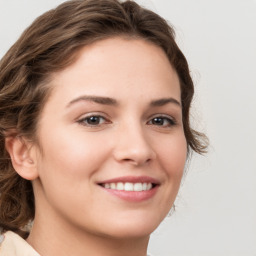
(173, 154)
(73, 155)
(66, 169)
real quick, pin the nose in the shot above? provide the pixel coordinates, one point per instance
(132, 146)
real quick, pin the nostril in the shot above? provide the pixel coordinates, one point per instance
(134, 153)
(136, 161)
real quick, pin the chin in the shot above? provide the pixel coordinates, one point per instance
(132, 232)
(133, 226)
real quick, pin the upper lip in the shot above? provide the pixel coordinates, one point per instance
(132, 179)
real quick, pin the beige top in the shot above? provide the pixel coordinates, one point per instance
(12, 244)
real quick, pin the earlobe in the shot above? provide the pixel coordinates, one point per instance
(22, 157)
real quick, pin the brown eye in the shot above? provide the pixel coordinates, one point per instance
(158, 121)
(93, 120)
(162, 121)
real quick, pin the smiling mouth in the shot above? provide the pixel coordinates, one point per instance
(133, 189)
(129, 186)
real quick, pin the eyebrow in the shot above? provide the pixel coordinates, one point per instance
(164, 101)
(96, 99)
(113, 102)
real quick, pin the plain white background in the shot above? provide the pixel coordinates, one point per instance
(216, 206)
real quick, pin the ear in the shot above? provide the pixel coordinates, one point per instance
(23, 156)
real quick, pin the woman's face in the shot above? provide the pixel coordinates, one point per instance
(112, 145)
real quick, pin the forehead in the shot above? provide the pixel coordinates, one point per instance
(118, 65)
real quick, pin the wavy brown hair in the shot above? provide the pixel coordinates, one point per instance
(49, 45)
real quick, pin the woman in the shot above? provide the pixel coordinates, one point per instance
(95, 131)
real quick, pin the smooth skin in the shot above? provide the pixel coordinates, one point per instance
(115, 112)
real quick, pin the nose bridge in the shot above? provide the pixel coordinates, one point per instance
(133, 144)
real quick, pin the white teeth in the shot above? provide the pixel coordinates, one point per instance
(107, 185)
(120, 186)
(113, 185)
(128, 186)
(137, 187)
(149, 186)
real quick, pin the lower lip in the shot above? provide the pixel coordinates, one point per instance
(133, 196)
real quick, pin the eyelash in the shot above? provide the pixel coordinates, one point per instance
(165, 121)
(170, 121)
(84, 120)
